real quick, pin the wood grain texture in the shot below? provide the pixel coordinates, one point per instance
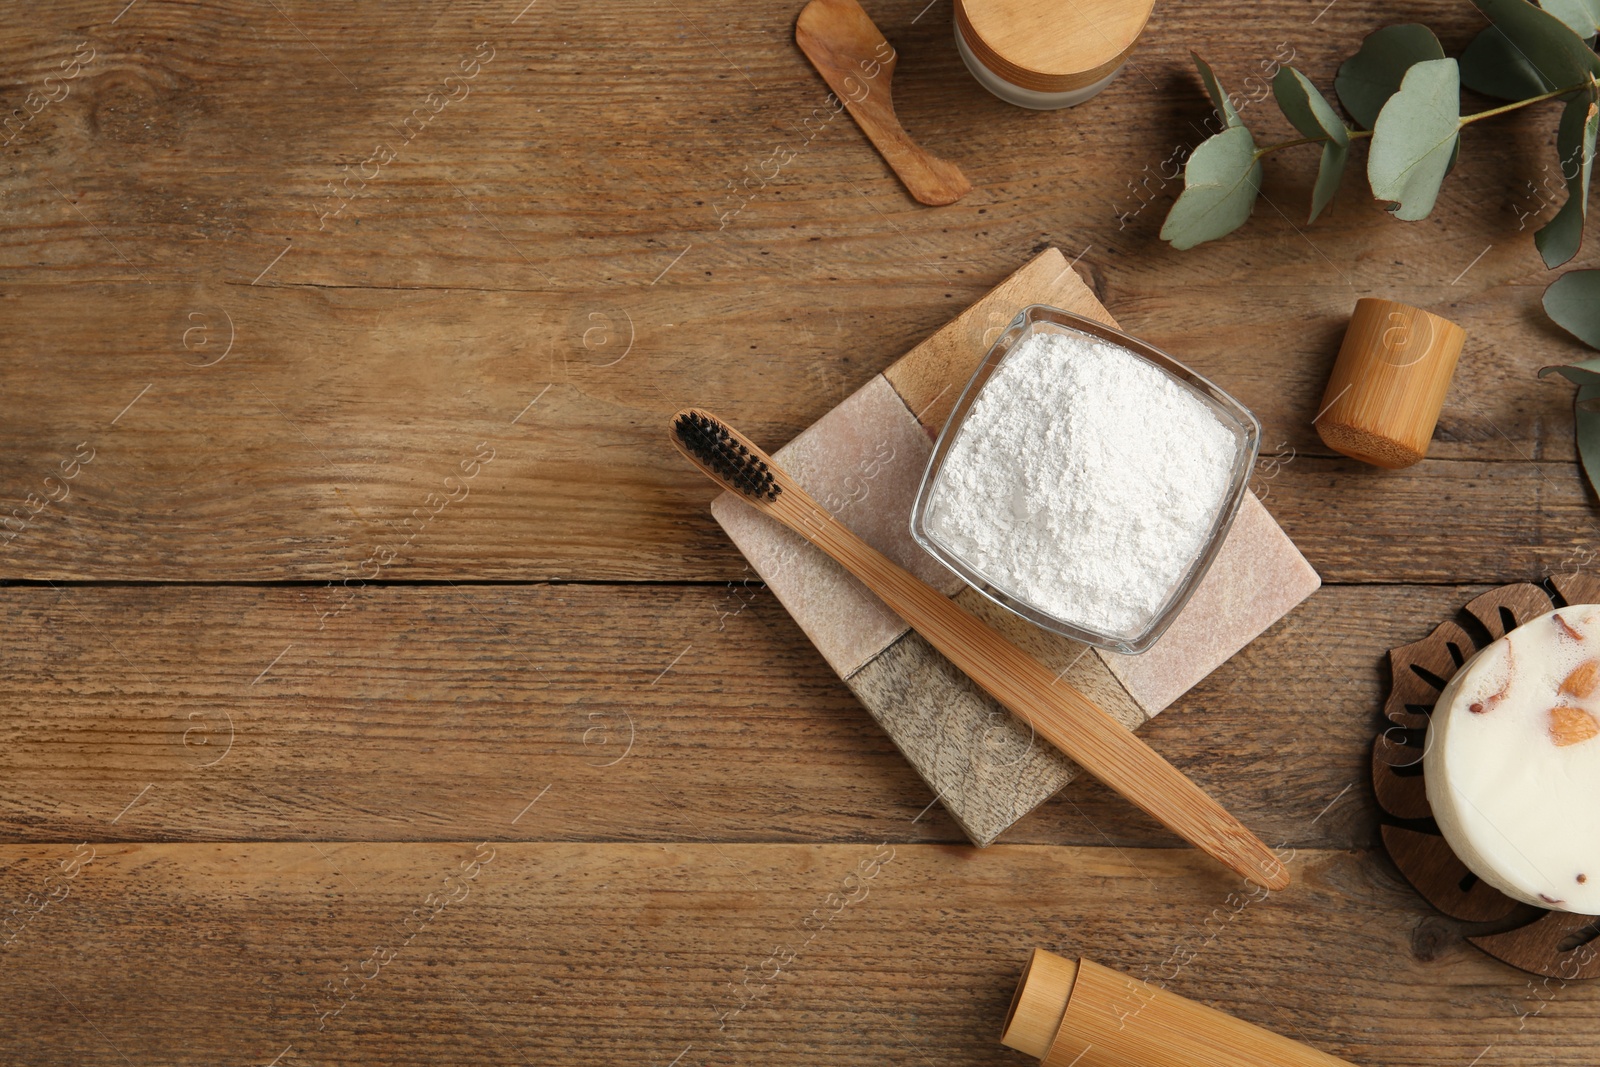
(430, 712)
(600, 954)
(445, 296)
(593, 229)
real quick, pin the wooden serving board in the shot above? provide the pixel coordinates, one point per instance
(864, 461)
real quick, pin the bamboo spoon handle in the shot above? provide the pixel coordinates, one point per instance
(858, 64)
(1062, 715)
(1055, 709)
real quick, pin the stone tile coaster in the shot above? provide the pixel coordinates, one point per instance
(864, 461)
(987, 766)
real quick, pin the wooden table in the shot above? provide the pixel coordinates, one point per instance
(378, 688)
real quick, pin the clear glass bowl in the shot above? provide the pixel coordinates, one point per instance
(1040, 318)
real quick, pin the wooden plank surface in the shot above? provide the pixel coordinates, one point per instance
(431, 712)
(510, 248)
(583, 953)
(278, 675)
(306, 467)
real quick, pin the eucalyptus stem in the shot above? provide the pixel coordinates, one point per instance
(1515, 104)
(1352, 134)
(1465, 119)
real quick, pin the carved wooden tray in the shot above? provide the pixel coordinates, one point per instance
(1556, 944)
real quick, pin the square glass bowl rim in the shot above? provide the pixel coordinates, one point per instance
(1229, 410)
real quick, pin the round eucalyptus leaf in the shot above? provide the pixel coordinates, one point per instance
(1559, 239)
(1310, 113)
(1415, 138)
(1219, 96)
(1220, 183)
(1491, 65)
(1367, 79)
(1306, 108)
(1586, 426)
(1541, 39)
(1584, 372)
(1573, 302)
(1581, 16)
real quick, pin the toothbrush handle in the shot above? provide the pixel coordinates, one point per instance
(1057, 712)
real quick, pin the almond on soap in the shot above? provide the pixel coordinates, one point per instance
(1571, 726)
(1583, 679)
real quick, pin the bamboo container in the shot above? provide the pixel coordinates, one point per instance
(1389, 382)
(1080, 1014)
(1043, 55)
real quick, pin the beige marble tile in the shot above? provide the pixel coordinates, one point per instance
(1257, 577)
(863, 461)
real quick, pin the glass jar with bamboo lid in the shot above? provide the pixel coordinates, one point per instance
(1043, 55)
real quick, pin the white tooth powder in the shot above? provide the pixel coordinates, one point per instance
(1084, 481)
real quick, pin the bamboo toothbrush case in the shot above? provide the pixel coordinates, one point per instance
(1043, 55)
(1070, 1013)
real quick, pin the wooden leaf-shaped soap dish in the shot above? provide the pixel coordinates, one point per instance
(1556, 944)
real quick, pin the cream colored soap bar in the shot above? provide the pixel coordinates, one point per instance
(1512, 763)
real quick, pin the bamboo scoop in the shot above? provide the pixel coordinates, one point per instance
(1057, 712)
(857, 63)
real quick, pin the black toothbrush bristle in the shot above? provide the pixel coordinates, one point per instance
(710, 442)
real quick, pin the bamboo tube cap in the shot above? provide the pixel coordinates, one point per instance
(1087, 1015)
(1039, 1003)
(1050, 47)
(1389, 383)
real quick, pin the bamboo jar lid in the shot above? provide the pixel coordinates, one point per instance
(1389, 382)
(1047, 47)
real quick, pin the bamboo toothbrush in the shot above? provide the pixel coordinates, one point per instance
(1057, 712)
